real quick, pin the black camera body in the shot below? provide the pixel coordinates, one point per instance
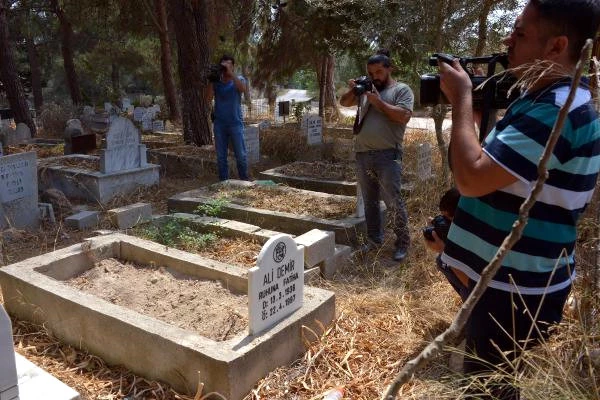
(441, 226)
(495, 94)
(215, 72)
(363, 84)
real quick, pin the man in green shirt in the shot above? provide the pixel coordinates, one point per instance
(382, 118)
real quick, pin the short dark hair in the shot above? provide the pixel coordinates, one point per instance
(379, 59)
(578, 20)
(227, 57)
(449, 201)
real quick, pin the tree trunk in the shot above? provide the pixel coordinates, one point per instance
(438, 114)
(190, 20)
(331, 109)
(114, 78)
(271, 98)
(36, 74)
(321, 74)
(66, 33)
(9, 76)
(166, 61)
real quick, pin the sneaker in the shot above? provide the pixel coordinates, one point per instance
(399, 255)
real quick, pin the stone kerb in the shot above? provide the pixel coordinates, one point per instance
(9, 388)
(314, 130)
(123, 149)
(19, 191)
(276, 284)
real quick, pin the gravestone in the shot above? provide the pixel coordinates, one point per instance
(158, 126)
(314, 129)
(147, 121)
(76, 140)
(424, 161)
(9, 382)
(88, 111)
(19, 191)
(125, 103)
(123, 149)
(360, 202)
(138, 113)
(262, 125)
(252, 139)
(276, 284)
(108, 107)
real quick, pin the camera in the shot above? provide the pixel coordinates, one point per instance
(363, 84)
(441, 226)
(494, 94)
(215, 72)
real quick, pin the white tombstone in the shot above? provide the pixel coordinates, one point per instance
(19, 191)
(108, 107)
(303, 123)
(314, 130)
(123, 149)
(125, 103)
(130, 109)
(158, 126)
(424, 161)
(360, 202)
(147, 122)
(138, 113)
(252, 140)
(88, 110)
(9, 383)
(276, 284)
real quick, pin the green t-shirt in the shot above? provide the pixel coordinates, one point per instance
(377, 131)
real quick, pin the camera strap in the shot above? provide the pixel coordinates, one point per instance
(360, 117)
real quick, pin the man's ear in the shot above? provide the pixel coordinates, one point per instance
(557, 47)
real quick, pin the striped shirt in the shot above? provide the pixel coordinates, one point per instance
(543, 259)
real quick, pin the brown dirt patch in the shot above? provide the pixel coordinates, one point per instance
(203, 306)
(341, 171)
(42, 151)
(288, 200)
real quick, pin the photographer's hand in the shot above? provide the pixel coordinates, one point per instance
(436, 244)
(455, 83)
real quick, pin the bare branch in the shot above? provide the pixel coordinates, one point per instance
(459, 322)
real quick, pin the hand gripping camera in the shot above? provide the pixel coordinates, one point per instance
(215, 72)
(363, 84)
(495, 93)
(441, 225)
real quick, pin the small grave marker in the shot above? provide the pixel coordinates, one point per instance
(147, 122)
(158, 126)
(138, 113)
(314, 129)
(9, 381)
(424, 161)
(125, 103)
(252, 139)
(19, 191)
(360, 202)
(123, 149)
(276, 284)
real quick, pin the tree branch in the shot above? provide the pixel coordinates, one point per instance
(456, 327)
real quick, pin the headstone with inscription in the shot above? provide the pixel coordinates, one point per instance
(314, 130)
(147, 122)
(125, 103)
(276, 284)
(138, 113)
(158, 126)
(123, 149)
(19, 191)
(252, 140)
(9, 381)
(424, 161)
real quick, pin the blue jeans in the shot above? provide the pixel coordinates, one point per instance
(378, 173)
(234, 134)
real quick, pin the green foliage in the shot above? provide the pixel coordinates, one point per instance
(299, 109)
(175, 233)
(213, 208)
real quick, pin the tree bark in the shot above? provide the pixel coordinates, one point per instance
(9, 76)
(190, 21)
(321, 76)
(66, 33)
(36, 74)
(166, 61)
(331, 109)
(438, 113)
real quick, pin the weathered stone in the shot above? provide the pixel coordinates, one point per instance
(318, 245)
(83, 220)
(331, 265)
(9, 388)
(130, 215)
(19, 191)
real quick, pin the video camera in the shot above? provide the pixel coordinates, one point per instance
(215, 72)
(440, 225)
(495, 92)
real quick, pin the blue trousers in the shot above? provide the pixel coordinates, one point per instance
(224, 134)
(378, 173)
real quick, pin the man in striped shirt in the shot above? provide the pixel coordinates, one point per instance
(494, 179)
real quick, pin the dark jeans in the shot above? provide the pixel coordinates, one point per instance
(378, 173)
(234, 134)
(456, 284)
(484, 336)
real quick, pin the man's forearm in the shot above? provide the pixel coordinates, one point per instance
(348, 99)
(239, 84)
(465, 149)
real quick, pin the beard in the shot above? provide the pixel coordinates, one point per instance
(379, 85)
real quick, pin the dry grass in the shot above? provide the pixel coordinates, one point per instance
(42, 151)
(342, 171)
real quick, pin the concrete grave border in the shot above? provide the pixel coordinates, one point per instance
(346, 188)
(154, 349)
(346, 230)
(172, 163)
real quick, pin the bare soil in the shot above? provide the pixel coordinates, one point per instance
(203, 306)
(42, 151)
(289, 200)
